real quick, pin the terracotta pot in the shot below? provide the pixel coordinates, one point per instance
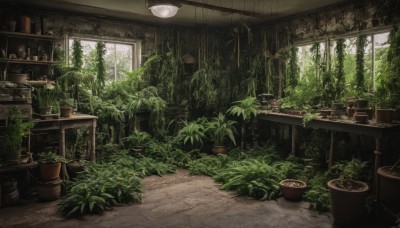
(384, 115)
(350, 112)
(11, 198)
(219, 149)
(45, 110)
(292, 189)
(348, 207)
(66, 111)
(25, 24)
(138, 149)
(389, 187)
(50, 171)
(49, 191)
(325, 113)
(75, 166)
(17, 78)
(361, 103)
(8, 186)
(361, 118)
(396, 114)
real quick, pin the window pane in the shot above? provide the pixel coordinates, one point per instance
(123, 59)
(350, 60)
(110, 61)
(381, 47)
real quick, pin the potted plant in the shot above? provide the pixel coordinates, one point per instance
(46, 98)
(66, 107)
(293, 189)
(50, 165)
(12, 136)
(383, 112)
(193, 132)
(137, 141)
(244, 109)
(220, 129)
(348, 195)
(389, 186)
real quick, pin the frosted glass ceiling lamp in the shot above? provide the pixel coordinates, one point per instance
(163, 9)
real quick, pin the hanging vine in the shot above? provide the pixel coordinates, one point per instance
(77, 55)
(100, 65)
(293, 69)
(340, 79)
(360, 65)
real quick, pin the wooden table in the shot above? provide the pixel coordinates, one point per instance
(61, 124)
(379, 131)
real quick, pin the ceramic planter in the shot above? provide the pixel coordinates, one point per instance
(389, 187)
(66, 111)
(348, 206)
(384, 115)
(45, 110)
(49, 191)
(219, 149)
(292, 189)
(324, 113)
(50, 171)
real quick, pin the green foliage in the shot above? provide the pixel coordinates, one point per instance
(77, 54)
(69, 102)
(193, 132)
(138, 138)
(339, 67)
(360, 82)
(293, 69)
(308, 117)
(388, 83)
(349, 170)
(318, 192)
(46, 97)
(203, 87)
(220, 128)
(251, 177)
(245, 109)
(209, 165)
(169, 153)
(50, 157)
(11, 137)
(99, 187)
(100, 65)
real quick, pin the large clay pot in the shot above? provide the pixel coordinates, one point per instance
(66, 111)
(292, 189)
(219, 149)
(384, 115)
(50, 171)
(348, 206)
(49, 191)
(17, 78)
(389, 187)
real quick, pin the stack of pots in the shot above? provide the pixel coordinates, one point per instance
(9, 192)
(49, 188)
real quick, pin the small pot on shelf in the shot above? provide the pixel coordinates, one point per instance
(45, 110)
(384, 115)
(66, 111)
(324, 113)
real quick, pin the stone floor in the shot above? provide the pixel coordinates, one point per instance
(177, 200)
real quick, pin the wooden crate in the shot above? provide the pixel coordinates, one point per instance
(26, 110)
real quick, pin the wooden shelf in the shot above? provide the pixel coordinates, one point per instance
(27, 62)
(26, 35)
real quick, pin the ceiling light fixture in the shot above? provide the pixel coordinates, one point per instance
(163, 8)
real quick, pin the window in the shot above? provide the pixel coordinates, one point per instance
(374, 54)
(120, 56)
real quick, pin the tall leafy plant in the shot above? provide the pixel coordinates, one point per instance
(244, 109)
(221, 129)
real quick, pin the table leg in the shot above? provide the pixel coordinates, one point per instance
(331, 149)
(294, 135)
(93, 141)
(61, 146)
(378, 157)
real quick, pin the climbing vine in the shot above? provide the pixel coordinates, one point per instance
(340, 79)
(360, 71)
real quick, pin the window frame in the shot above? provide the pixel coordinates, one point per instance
(135, 43)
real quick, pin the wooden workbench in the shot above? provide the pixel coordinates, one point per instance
(61, 124)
